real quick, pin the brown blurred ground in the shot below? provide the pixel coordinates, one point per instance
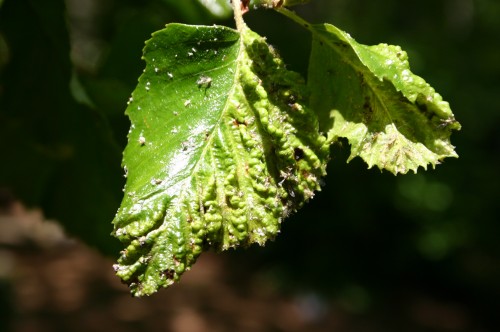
(58, 284)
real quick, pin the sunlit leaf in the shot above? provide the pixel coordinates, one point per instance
(392, 118)
(220, 150)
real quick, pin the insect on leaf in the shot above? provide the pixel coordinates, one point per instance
(220, 150)
(392, 118)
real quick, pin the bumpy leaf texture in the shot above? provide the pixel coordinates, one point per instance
(392, 118)
(220, 150)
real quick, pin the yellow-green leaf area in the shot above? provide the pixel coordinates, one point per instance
(391, 117)
(221, 149)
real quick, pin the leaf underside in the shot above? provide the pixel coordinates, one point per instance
(220, 150)
(392, 118)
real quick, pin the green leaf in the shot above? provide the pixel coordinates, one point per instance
(392, 118)
(220, 150)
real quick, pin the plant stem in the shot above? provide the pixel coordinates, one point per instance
(238, 15)
(294, 17)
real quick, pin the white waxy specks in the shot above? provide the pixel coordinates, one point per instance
(170, 75)
(406, 76)
(204, 81)
(190, 53)
(187, 103)
(130, 100)
(156, 69)
(148, 84)
(142, 140)
(260, 232)
(194, 50)
(120, 232)
(156, 181)
(389, 62)
(138, 108)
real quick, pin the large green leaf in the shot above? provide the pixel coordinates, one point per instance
(220, 151)
(392, 118)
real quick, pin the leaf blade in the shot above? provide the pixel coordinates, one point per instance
(392, 118)
(216, 155)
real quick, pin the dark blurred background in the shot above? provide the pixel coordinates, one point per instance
(371, 252)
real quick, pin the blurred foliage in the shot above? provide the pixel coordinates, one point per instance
(368, 240)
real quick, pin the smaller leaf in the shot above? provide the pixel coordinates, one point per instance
(391, 117)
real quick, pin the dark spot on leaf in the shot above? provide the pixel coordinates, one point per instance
(422, 107)
(368, 110)
(362, 79)
(168, 274)
(298, 153)
(237, 123)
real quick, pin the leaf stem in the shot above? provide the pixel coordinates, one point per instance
(238, 15)
(294, 17)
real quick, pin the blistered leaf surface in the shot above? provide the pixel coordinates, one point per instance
(392, 118)
(220, 150)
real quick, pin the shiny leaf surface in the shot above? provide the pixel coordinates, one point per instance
(220, 150)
